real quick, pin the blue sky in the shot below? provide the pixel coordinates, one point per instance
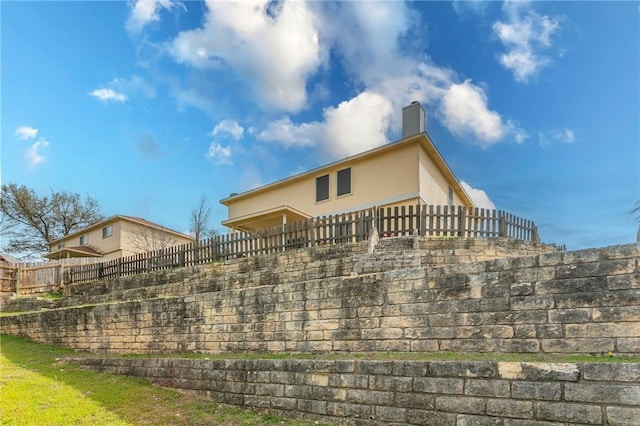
(145, 105)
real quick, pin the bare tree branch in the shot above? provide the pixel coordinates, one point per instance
(148, 239)
(30, 222)
(199, 220)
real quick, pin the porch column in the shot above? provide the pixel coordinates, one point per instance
(284, 227)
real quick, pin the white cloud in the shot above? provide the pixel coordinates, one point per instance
(352, 127)
(252, 41)
(134, 84)
(106, 95)
(358, 124)
(464, 108)
(478, 196)
(274, 47)
(26, 132)
(288, 134)
(144, 12)
(470, 7)
(219, 154)
(524, 38)
(565, 135)
(465, 112)
(228, 127)
(190, 97)
(33, 154)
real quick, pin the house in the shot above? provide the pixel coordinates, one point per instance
(405, 172)
(117, 236)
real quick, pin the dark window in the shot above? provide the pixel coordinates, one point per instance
(107, 231)
(322, 188)
(84, 240)
(344, 181)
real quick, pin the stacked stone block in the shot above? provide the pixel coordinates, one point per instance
(580, 302)
(367, 392)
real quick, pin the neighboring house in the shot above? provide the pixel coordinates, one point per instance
(406, 172)
(4, 257)
(117, 236)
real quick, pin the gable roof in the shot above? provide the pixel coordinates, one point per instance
(78, 251)
(422, 138)
(112, 219)
(5, 257)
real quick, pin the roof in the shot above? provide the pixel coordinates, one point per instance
(8, 258)
(422, 138)
(265, 218)
(78, 251)
(115, 218)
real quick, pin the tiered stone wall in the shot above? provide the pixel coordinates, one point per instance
(443, 296)
(576, 302)
(288, 267)
(377, 393)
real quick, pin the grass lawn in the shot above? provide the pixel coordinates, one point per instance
(35, 389)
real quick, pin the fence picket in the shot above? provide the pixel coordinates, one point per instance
(349, 227)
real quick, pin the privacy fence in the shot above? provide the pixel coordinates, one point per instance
(432, 221)
(38, 277)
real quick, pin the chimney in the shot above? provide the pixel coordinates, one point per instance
(413, 120)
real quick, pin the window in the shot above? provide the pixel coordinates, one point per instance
(107, 231)
(450, 199)
(344, 181)
(322, 188)
(84, 240)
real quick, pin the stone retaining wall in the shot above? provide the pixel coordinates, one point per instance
(576, 302)
(288, 267)
(384, 393)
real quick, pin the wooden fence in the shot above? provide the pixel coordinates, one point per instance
(38, 277)
(443, 221)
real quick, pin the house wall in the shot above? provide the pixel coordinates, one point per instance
(122, 241)
(379, 180)
(136, 238)
(110, 246)
(434, 188)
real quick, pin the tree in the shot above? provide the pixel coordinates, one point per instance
(636, 212)
(30, 221)
(199, 220)
(150, 239)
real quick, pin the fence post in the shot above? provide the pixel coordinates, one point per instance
(119, 269)
(534, 233)
(214, 242)
(18, 276)
(461, 220)
(181, 257)
(502, 225)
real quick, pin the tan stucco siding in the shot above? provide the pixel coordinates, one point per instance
(434, 187)
(122, 241)
(376, 180)
(135, 238)
(106, 246)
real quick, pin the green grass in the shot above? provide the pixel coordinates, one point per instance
(52, 296)
(37, 389)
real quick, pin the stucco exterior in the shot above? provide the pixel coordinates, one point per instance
(406, 172)
(127, 236)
